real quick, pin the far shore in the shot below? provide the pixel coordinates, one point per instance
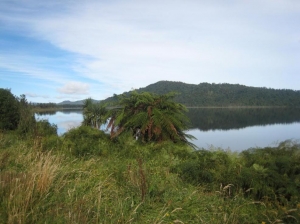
(234, 107)
(37, 109)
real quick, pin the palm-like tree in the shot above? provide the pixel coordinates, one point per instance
(152, 117)
(94, 114)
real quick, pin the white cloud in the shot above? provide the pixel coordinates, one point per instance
(77, 88)
(125, 44)
(144, 42)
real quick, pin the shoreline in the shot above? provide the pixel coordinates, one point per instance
(235, 107)
(188, 107)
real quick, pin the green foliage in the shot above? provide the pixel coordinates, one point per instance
(44, 128)
(27, 121)
(133, 182)
(223, 95)
(86, 141)
(16, 114)
(51, 142)
(209, 169)
(45, 106)
(271, 174)
(275, 172)
(150, 117)
(94, 114)
(9, 110)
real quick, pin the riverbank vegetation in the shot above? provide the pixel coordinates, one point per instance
(86, 176)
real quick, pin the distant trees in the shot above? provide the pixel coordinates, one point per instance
(46, 105)
(223, 95)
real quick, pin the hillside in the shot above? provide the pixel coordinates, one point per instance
(74, 103)
(221, 95)
(205, 94)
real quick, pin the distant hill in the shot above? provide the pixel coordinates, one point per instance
(74, 103)
(216, 95)
(223, 95)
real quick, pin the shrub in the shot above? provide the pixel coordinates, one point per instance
(84, 140)
(44, 128)
(273, 172)
(51, 143)
(9, 110)
(208, 168)
(27, 121)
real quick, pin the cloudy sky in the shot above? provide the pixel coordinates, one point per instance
(73, 49)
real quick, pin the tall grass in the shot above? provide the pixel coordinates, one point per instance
(27, 181)
(129, 182)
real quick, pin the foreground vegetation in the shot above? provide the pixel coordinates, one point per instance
(89, 176)
(85, 177)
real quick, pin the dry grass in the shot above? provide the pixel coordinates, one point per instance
(44, 169)
(57, 187)
(22, 189)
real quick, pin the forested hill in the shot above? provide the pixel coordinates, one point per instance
(205, 94)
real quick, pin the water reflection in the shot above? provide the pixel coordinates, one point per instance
(206, 119)
(240, 129)
(65, 111)
(242, 139)
(236, 129)
(64, 119)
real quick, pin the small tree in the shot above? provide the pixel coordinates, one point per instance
(9, 110)
(94, 114)
(152, 117)
(27, 123)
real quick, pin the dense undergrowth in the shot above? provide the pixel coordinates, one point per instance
(85, 177)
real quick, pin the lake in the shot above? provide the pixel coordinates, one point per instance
(236, 129)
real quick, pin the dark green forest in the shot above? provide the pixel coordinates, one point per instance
(223, 95)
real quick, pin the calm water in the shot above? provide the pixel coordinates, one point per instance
(235, 129)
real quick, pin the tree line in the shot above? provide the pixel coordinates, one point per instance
(223, 95)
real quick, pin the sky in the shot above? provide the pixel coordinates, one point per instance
(59, 50)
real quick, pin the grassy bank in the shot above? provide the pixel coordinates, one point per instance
(84, 177)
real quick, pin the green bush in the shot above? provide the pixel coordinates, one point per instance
(9, 110)
(275, 172)
(52, 142)
(27, 121)
(84, 141)
(208, 168)
(44, 128)
(271, 174)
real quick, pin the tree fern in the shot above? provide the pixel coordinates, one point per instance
(155, 117)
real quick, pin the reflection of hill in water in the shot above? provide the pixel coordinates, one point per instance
(226, 118)
(66, 111)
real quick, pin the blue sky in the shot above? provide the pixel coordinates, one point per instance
(71, 50)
